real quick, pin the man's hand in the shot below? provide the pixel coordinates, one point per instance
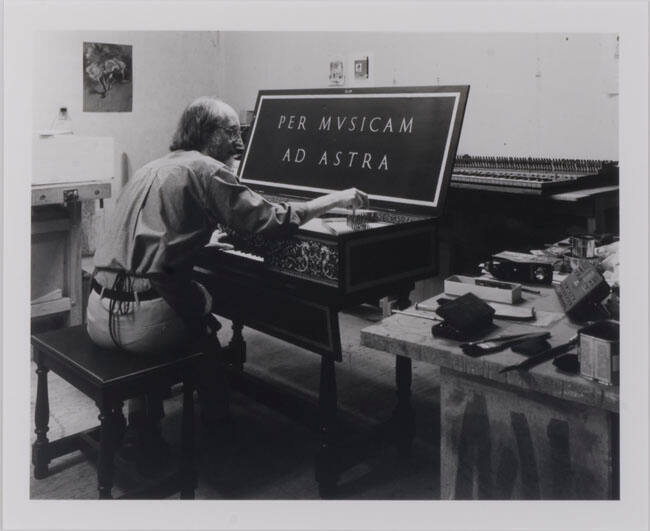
(215, 241)
(352, 198)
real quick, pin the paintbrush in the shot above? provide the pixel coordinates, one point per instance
(411, 314)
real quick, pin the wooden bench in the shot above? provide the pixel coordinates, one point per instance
(109, 378)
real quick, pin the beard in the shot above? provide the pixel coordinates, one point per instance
(225, 151)
(233, 164)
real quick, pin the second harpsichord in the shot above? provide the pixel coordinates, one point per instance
(531, 175)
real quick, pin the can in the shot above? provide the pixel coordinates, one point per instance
(599, 351)
(583, 246)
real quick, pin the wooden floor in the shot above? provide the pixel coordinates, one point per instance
(265, 454)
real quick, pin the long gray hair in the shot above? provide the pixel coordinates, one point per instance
(198, 123)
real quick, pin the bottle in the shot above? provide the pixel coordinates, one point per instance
(62, 124)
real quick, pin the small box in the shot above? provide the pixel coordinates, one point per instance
(484, 288)
(599, 352)
(522, 267)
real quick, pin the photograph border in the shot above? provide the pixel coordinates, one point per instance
(628, 19)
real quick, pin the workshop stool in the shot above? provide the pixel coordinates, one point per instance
(109, 377)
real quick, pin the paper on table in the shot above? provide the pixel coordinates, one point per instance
(341, 227)
(508, 310)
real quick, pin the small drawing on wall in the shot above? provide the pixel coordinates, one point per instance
(107, 77)
(361, 68)
(337, 72)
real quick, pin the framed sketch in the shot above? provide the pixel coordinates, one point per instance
(107, 77)
(337, 72)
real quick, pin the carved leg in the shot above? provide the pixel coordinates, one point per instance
(237, 346)
(326, 465)
(108, 419)
(223, 384)
(40, 449)
(403, 415)
(188, 474)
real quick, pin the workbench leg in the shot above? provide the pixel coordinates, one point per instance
(327, 472)
(500, 444)
(74, 286)
(40, 449)
(403, 415)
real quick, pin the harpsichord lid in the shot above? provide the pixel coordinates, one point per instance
(398, 144)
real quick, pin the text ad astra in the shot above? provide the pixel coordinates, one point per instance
(365, 161)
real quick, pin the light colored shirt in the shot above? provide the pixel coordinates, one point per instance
(170, 209)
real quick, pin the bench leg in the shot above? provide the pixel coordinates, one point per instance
(109, 423)
(188, 473)
(213, 388)
(327, 470)
(40, 449)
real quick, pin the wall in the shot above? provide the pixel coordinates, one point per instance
(169, 70)
(531, 94)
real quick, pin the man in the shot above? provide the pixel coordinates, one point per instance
(143, 299)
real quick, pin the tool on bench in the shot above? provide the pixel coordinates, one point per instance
(542, 357)
(497, 344)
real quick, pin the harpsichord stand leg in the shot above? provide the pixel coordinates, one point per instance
(237, 346)
(327, 472)
(188, 470)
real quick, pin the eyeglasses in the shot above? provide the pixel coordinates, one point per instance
(233, 131)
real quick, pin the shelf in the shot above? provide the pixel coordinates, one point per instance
(43, 309)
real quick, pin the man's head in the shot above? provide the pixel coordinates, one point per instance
(210, 126)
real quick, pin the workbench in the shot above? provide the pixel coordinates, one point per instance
(56, 275)
(538, 434)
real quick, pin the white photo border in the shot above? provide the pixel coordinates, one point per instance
(627, 19)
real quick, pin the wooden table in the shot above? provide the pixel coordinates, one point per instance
(56, 277)
(597, 206)
(541, 434)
